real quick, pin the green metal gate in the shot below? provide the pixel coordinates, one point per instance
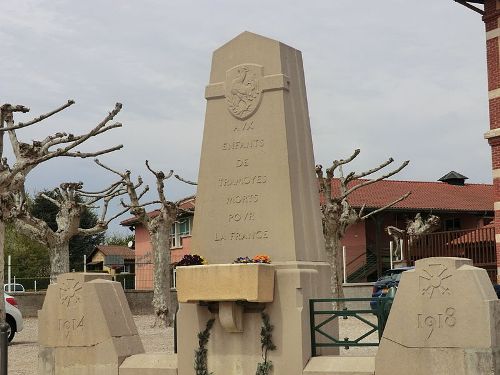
(380, 309)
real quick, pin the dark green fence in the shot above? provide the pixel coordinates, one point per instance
(320, 316)
(126, 279)
(32, 284)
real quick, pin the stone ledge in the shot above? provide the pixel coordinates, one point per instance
(252, 282)
(337, 365)
(149, 364)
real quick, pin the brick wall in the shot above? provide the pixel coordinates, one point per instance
(491, 20)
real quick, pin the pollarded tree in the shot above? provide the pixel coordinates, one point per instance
(44, 209)
(71, 202)
(414, 229)
(338, 214)
(29, 156)
(159, 227)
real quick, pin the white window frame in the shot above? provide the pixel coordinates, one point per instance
(174, 279)
(176, 236)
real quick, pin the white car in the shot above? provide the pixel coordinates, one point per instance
(17, 288)
(13, 316)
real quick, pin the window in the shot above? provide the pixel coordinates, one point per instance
(452, 224)
(185, 227)
(127, 268)
(180, 229)
(173, 281)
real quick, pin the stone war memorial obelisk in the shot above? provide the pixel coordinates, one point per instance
(257, 194)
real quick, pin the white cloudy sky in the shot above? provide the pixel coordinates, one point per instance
(396, 78)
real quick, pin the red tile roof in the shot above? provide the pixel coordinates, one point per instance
(133, 220)
(437, 196)
(483, 234)
(186, 204)
(122, 251)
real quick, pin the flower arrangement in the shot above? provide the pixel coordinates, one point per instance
(243, 260)
(260, 258)
(192, 260)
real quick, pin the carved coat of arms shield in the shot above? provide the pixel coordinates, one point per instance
(243, 92)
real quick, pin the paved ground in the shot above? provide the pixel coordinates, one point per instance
(23, 351)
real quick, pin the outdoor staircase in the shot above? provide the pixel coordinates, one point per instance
(358, 271)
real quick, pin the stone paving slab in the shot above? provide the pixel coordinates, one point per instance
(338, 365)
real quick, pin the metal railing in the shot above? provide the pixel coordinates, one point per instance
(476, 244)
(320, 338)
(360, 267)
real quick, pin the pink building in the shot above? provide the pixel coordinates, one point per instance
(180, 243)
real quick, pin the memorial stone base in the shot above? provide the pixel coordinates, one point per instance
(445, 320)
(85, 327)
(239, 353)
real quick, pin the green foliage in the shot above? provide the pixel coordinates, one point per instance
(266, 340)
(118, 239)
(78, 245)
(264, 368)
(29, 258)
(200, 354)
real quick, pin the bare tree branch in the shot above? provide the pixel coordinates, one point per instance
(39, 118)
(369, 182)
(353, 176)
(80, 140)
(99, 193)
(35, 228)
(106, 197)
(159, 174)
(117, 215)
(184, 180)
(98, 228)
(146, 189)
(336, 163)
(324, 188)
(109, 169)
(83, 155)
(385, 207)
(160, 177)
(60, 138)
(51, 200)
(142, 205)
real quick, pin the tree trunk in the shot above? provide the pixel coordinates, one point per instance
(2, 268)
(334, 257)
(162, 303)
(59, 260)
